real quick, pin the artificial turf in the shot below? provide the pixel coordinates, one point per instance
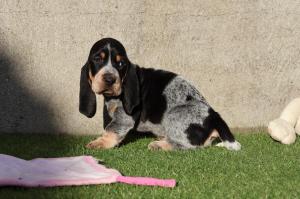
(262, 169)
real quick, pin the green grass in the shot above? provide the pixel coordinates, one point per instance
(262, 169)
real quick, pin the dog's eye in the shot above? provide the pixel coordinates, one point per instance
(121, 64)
(97, 59)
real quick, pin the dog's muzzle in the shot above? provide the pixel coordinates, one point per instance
(109, 79)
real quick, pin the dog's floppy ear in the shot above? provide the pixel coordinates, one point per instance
(131, 90)
(87, 98)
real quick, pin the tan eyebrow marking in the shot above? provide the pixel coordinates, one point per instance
(102, 55)
(118, 58)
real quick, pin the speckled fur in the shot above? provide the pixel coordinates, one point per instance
(178, 116)
(121, 123)
(179, 113)
(151, 100)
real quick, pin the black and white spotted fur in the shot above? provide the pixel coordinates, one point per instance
(158, 101)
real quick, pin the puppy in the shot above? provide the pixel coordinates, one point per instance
(145, 99)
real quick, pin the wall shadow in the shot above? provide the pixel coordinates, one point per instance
(20, 110)
(28, 127)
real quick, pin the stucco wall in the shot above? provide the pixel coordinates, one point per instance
(244, 56)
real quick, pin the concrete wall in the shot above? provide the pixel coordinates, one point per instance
(244, 56)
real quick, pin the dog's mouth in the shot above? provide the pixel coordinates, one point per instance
(102, 91)
(108, 91)
(105, 92)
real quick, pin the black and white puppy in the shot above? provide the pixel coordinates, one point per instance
(145, 99)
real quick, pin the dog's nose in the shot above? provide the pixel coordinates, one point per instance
(109, 79)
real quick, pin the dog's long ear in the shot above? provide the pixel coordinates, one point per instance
(87, 98)
(131, 90)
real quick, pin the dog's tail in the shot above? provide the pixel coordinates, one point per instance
(225, 134)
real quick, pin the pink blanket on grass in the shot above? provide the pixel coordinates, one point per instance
(80, 170)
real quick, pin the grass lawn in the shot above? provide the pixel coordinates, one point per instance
(262, 169)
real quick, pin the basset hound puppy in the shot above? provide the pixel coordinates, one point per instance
(146, 99)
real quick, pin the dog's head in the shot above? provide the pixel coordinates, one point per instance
(108, 71)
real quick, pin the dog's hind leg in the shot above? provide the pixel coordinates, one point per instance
(162, 144)
(228, 140)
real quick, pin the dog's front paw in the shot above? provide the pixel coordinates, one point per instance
(96, 144)
(106, 141)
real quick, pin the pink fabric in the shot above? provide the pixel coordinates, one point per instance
(50, 172)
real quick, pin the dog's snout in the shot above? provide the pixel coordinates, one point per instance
(109, 79)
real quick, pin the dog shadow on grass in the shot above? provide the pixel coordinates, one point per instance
(133, 136)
